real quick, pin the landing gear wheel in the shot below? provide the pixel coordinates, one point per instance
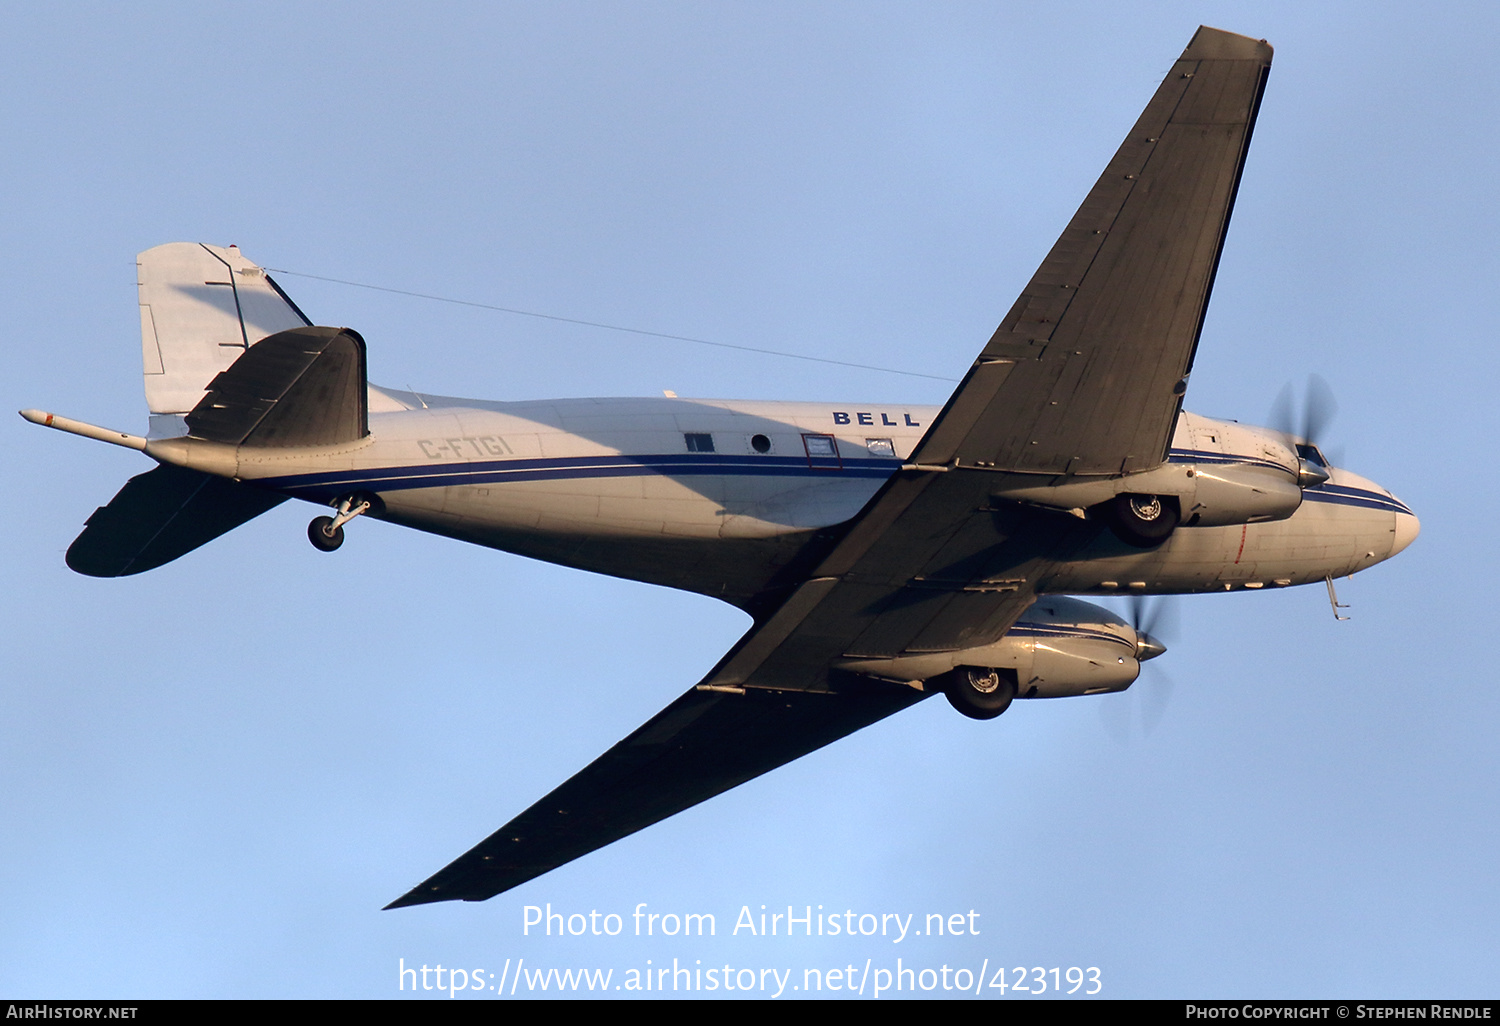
(979, 693)
(322, 538)
(1144, 521)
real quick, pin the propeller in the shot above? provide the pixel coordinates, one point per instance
(1154, 620)
(1319, 407)
(1302, 433)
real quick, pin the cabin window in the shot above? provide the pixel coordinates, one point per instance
(881, 447)
(699, 443)
(822, 452)
(760, 443)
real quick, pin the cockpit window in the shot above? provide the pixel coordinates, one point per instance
(1311, 454)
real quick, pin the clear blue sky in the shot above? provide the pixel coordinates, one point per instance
(213, 775)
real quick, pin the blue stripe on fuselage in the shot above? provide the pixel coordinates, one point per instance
(383, 479)
(333, 484)
(1363, 498)
(1219, 459)
(1024, 628)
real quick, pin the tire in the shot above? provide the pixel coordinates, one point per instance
(979, 693)
(1144, 521)
(317, 533)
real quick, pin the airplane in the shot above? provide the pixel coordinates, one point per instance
(885, 552)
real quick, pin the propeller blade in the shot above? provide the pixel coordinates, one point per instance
(1155, 698)
(1282, 418)
(1154, 619)
(1155, 623)
(1319, 409)
(1115, 714)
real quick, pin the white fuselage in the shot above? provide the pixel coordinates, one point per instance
(717, 497)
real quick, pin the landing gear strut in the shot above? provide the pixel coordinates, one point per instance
(327, 533)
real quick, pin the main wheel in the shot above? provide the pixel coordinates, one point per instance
(979, 693)
(322, 538)
(1144, 521)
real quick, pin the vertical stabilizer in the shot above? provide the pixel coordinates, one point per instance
(202, 307)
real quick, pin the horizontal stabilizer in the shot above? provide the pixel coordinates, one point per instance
(161, 515)
(300, 387)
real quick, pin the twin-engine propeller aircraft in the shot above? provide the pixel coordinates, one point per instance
(885, 552)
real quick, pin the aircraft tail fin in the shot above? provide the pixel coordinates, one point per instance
(160, 515)
(305, 386)
(227, 357)
(202, 308)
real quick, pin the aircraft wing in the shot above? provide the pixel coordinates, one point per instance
(701, 745)
(1086, 373)
(923, 569)
(1084, 376)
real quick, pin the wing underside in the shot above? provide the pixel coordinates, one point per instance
(701, 745)
(966, 573)
(1086, 373)
(1084, 377)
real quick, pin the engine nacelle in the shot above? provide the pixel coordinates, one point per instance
(1224, 495)
(1058, 648)
(1220, 474)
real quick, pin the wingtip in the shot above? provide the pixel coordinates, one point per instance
(1209, 43)
(409, 898)
(421, 894)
